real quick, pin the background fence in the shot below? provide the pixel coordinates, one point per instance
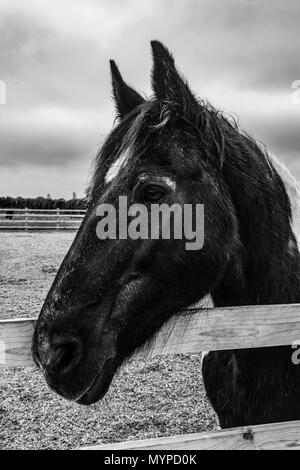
(40, 219)
(205, 329)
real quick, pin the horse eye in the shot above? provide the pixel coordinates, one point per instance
(152, 193)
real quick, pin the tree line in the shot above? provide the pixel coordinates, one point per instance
(41, 203)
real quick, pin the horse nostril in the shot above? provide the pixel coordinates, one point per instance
(65, 355)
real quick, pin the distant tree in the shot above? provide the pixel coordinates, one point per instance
(41, 202)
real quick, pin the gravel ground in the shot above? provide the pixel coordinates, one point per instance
(157, 397)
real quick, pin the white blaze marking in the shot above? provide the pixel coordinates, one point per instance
(169, 182)
(116, 166)
(292, 187)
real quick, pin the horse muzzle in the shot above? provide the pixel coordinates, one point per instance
(77, 369)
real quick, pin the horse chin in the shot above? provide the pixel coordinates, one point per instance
(100, 385)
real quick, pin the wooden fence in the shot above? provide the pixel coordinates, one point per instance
(193, 331)
(40, 219)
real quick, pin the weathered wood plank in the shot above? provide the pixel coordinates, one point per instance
(15, 342)
(281, 436)
(229, 328)
(190, 332)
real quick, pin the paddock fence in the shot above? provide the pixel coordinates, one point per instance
(40, 219)
(192, 331)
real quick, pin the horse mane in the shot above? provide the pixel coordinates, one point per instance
(215, 129)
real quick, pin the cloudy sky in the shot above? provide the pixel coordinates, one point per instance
(243, 55)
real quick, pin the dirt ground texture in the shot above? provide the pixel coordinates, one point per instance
(158, 397)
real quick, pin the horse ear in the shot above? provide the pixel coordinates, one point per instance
(167, 83)
(125, 98)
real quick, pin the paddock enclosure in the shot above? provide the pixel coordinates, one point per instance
(40, 219)
(208, 329)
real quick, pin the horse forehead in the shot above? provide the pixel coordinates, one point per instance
(292, 187)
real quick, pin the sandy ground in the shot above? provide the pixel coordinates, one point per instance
(157, 397)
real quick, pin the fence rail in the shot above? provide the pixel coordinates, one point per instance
(192, 331)
(279, 436)
(40, 219)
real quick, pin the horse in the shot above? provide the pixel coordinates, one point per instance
(111, 296)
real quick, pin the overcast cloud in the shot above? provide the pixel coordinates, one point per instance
(242, 55)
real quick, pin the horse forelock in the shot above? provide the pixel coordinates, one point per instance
(123, 147)
(117, 150)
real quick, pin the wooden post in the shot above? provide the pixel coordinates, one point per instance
(26, 218)
(57, 220)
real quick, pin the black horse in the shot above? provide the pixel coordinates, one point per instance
(111, 296)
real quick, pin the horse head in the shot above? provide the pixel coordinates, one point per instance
(111, 295)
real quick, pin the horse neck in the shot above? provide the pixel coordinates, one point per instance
(267, 268)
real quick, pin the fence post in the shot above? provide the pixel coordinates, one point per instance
(26, 218)
(57, 220)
